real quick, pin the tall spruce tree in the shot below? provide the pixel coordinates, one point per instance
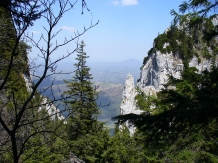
(83, 126)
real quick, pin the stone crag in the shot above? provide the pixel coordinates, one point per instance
(128, 104)
(154, 75)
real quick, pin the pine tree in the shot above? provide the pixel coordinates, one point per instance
(83, 126)
(121, 147)
(183, 126)
(20, 124)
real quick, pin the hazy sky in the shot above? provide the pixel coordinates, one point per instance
(126, 28)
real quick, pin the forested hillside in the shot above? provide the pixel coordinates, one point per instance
(178, 124)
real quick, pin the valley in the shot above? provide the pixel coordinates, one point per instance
(108, 78)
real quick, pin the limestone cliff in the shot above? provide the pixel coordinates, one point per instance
(169, 56)
(128, 104)
(154, 75)
(156, 70)
(159, 66)
(52, 110)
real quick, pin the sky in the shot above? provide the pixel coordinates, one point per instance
(126, 28)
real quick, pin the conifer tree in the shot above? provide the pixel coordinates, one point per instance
(20, 123)
(121, 147)
(83, 127)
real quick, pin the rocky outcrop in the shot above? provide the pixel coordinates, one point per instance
(172, 51)
(154, 75)
(73, 159)
(52, 110)
(156, 70)
(159, 66)
(128, 104)
(203, 65)
(28, 82)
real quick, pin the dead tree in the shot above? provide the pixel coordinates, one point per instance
(20, 119)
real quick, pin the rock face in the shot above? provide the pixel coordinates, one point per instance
(157, 69)
(162, 63)
(28, 82)
(203, 65)
(154, 75)
(52, 110)
(128, 104)
(155, 72)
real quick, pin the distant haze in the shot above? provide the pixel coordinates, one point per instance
(110, 72)
(109, 76)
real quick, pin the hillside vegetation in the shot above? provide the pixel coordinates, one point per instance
(182, 127)
(180, 123)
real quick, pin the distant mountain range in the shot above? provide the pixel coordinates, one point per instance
(110, 72)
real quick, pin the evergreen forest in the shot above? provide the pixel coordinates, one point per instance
(182, 127)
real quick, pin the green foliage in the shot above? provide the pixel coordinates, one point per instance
(28, 133)
(33, 139)
(183, 127)
(47, 147)
(196, 36)
(198, 21)
(123, 148)
(82, 105)
(152, 50)
(184, 123)
(90, 147)
(146, 58)
(14, 93)
(160, 40)
(179, 43)
(83, 128)
(144, 102)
